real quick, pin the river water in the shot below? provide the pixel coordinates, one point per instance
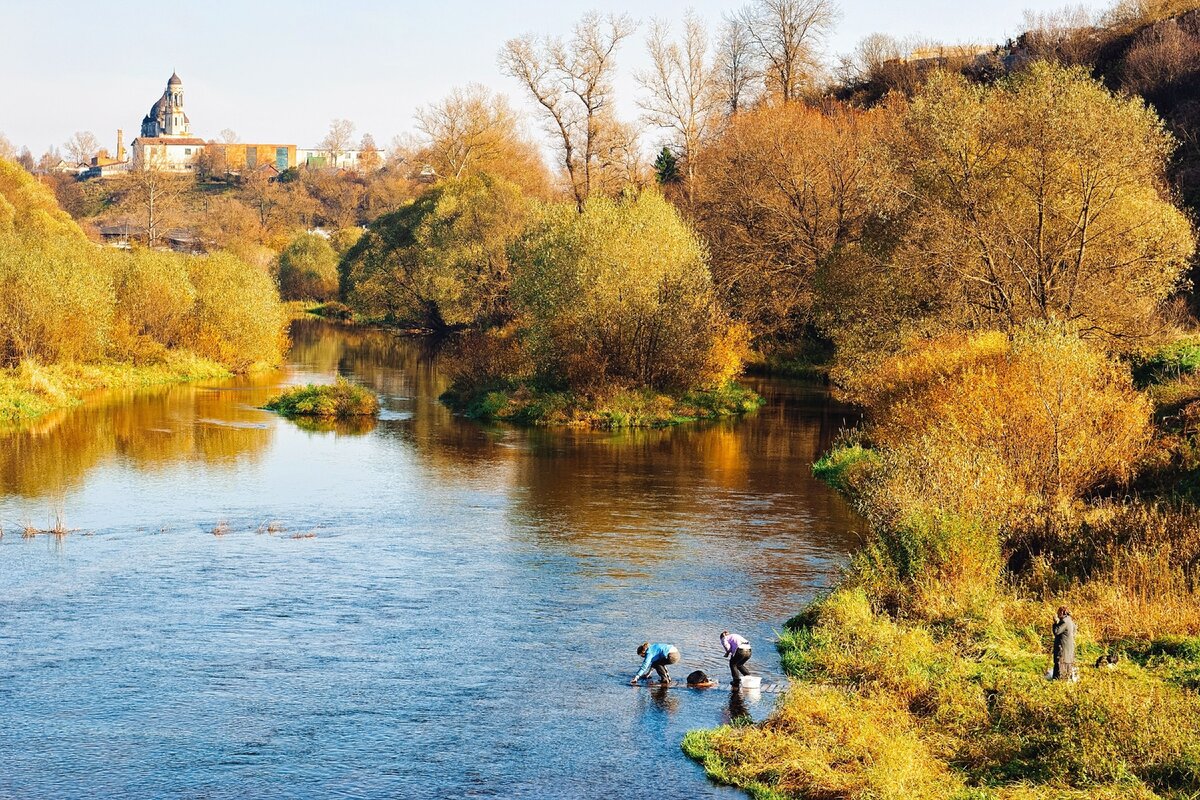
(418, 607)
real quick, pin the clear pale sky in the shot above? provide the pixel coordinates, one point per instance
(279, 71)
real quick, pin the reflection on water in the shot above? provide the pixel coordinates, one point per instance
(458, 620)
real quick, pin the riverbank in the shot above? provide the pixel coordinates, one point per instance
(30, 390)
(527, 405)
(923, 673)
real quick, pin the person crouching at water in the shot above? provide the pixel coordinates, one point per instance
(1064, 645)
(656, 657)
(737, 650)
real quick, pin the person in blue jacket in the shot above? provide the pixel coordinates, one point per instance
(656, 657)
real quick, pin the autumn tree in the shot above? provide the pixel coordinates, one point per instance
(369, 159)
(474, 130)
(572, 82)
(82, 146)
(620, 296)
(308, 269)
(681, 93)
(787, 36)
(441, 262)
(338, 196)
(7, 149)
(785, 194)
(1042, 198)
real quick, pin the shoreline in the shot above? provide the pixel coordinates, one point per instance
(31, 390)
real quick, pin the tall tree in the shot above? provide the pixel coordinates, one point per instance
(82, 146)
(788, 35)
(681, 94)
(230, 136)
(369, 159)
(154, 196)
(737, 69)
(572, 81)
(1043, 198)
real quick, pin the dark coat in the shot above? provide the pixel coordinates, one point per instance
(1064, 647)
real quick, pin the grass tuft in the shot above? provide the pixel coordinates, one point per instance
(339, 400)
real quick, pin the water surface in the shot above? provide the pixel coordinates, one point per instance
(419, 607)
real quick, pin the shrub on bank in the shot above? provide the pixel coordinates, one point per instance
(342, 399)
(620, 296)
(237, 319)
(308, 269)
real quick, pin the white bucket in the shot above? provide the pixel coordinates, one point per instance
(751, 681)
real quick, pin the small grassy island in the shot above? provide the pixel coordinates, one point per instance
(525, 405)
(340, 400)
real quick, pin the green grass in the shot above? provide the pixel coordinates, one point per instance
(898, 708)
(31, 389)
(340, 400)
(527, 405)
(844, 465)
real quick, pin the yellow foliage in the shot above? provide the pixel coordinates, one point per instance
(993, 426)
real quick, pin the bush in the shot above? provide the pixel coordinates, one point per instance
(440, 263)
(56, 296)
(998, 426)
(620, 296)
(154, 296)
(342, 399)
(238, 319)
(308, 269)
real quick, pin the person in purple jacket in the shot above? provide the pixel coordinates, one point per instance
(737, 650)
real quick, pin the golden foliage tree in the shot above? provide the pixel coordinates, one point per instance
(308, 269)
(784, 192)
(1042, 198)
(996, 425)
(474, 130)
(441, 262)
(620, 296)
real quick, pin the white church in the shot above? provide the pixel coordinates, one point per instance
(166, 140)
(166, 143)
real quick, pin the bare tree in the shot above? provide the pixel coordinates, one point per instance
(681, 87)
(471, 126)
(788, 35)
(154, 195)
(737, 67)
(230, 136)
(82, 146)
(572, 81)
(338, 141)
(7, 149)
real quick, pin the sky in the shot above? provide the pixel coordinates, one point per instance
(279, 72)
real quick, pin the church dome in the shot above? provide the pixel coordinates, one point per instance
(175, 80)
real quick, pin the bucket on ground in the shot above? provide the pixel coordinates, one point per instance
(751, 681)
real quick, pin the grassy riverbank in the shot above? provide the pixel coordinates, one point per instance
(526, 405)
(1001, 477)
(31, 389)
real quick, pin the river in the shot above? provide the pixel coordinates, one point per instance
(416, 607)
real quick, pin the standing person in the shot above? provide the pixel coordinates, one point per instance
(1064, 645)
(656, 657)
(737, 650)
